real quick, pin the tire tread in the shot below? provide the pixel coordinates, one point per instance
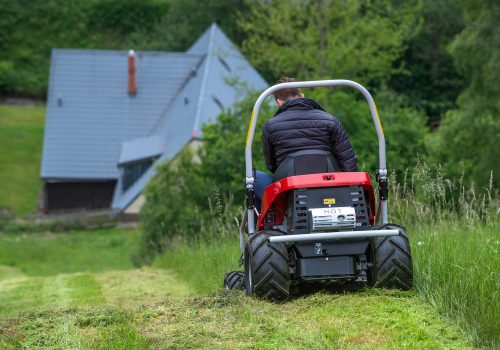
(234, 280)
(271, 277)
(393, 263)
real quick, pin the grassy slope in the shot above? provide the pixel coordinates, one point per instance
(48, 254)
(99, 302)
(21, 132)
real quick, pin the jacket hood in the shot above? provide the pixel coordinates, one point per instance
(303, 103)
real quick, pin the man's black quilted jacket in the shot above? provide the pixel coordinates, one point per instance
(301, 124)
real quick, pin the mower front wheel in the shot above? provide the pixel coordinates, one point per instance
(266, 267)
(234, 280)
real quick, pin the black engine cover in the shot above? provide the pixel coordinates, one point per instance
(299, 220)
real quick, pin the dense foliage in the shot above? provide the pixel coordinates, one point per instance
(30, 29)
(469, 138)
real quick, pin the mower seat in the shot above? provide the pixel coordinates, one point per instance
(307, 162)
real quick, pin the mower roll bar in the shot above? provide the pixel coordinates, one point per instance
(382, 171)
(326, 236)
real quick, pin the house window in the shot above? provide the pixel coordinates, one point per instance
(131, 173)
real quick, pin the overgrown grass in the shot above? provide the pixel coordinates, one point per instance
(203, 259)
(46, 254)
(455, 236)
(457, 269)
(21, 133)
(202, 263)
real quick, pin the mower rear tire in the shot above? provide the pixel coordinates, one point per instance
(266, 267)
(234, 280)
(392, 263)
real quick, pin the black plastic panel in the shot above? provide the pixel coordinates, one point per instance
(328, 267)
(332, 248)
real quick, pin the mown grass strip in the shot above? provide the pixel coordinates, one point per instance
(83, 289)
(231, 320)
(141, 286)
(20, 294)
(128, 288)
(47, 254)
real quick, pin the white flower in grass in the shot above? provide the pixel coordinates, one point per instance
(420, 243)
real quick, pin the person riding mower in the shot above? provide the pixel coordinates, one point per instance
(318, 225)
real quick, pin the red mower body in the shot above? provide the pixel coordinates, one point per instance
(274, 200)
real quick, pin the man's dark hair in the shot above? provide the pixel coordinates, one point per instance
(286, 94)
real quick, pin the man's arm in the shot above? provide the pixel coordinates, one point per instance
(341, 147)
(267, 147)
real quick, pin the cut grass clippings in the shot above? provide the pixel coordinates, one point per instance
(124, 288)
(372, 319)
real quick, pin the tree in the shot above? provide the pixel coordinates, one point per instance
(357, 40)
(469, 138)
(30, 29)
(429, 80)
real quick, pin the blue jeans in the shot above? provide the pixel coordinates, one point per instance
(262, 180)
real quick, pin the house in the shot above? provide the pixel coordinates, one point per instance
(112, 115)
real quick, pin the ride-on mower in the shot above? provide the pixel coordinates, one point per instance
(318, 226)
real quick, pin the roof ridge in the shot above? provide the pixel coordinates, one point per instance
(204, 79)
(142, 52)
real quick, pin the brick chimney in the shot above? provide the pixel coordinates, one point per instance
(132, 83)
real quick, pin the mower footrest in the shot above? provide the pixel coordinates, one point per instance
(326, 236)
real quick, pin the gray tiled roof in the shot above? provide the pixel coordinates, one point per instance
(93, 125)
(90, 113)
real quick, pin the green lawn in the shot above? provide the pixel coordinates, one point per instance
(48, 254)
(21, 134)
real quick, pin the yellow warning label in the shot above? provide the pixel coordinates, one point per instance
(329, 201)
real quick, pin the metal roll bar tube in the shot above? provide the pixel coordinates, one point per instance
(326, 236)
(382, 172)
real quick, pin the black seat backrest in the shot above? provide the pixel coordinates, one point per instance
(307, 162)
